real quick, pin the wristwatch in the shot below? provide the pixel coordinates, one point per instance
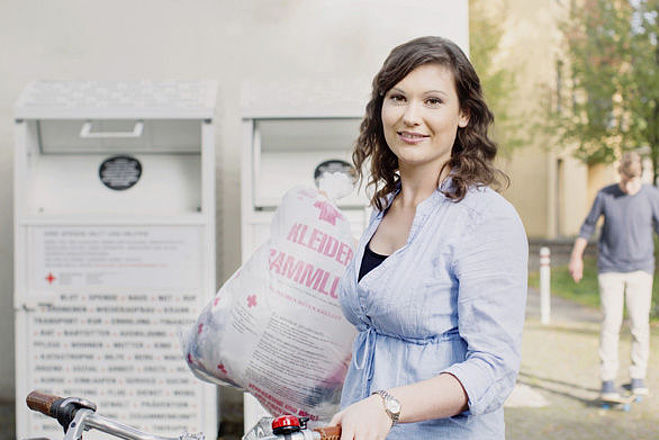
(391, 405)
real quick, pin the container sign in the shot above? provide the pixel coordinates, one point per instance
(140, 256)
(120, 172)
(109, 334)
(119, 349)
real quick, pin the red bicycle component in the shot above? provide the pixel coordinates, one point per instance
(286, 424)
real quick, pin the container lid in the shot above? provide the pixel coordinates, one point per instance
(117, 100)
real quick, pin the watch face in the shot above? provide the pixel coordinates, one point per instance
(393, 406)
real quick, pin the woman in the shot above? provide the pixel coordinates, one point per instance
(437, 288)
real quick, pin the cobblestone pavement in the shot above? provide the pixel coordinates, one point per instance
(559, 362)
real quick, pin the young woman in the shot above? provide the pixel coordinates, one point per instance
(437, 288)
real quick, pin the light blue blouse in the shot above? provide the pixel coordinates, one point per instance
(452, 299)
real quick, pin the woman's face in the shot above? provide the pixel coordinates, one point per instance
(421, 115)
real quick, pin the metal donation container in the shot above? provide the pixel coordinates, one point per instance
(114, 248)
(282, 150)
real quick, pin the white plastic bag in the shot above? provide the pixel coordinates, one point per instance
(275, 328)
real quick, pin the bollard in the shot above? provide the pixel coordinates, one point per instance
(545, 287)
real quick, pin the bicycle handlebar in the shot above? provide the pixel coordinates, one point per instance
(41, 402)
(68, 409)
(64, 410)
(329, 432)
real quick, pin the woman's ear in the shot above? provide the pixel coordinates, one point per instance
(463, 119)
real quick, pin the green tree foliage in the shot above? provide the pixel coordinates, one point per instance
(485, 32)
(610, 104)
(644, 84)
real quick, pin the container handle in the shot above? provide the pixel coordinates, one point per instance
(86, 132)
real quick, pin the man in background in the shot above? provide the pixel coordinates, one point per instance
(626, 268)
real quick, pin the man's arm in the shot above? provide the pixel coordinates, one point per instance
(576, 259)
(654, 203)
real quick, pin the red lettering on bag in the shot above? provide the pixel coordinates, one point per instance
(331, 247)
(316, 236)
(321, 243)
(276, 262)
(315, 278)
(297, 233)
(321, 288)
(344, 254)
(304, 273)
(332, 291)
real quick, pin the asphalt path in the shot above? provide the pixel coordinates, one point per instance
(559, 378)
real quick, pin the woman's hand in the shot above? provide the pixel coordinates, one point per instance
(364, 420)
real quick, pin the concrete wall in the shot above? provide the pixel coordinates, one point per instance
(551, 190)
(529, 191)
(531, 55)
(325, 43)
(572, 196)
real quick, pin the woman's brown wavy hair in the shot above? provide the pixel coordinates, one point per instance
(473, 151)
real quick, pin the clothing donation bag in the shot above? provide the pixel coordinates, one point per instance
(275, 328)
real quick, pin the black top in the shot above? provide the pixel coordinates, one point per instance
(370, 261)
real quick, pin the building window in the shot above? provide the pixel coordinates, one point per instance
(559, 85)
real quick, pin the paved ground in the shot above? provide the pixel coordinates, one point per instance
(560, 364)
(559, 370)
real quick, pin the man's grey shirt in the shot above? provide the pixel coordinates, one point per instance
(626, 242)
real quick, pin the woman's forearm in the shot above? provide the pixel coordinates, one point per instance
(439, 397)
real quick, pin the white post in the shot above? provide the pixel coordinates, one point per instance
(545, 289)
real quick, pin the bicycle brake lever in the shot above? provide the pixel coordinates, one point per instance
(81, 403)
(77, 425)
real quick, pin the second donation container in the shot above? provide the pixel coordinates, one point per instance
(279, 153)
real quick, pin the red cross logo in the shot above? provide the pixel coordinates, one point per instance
(50, 278)
(221, 368)
(200, 328)
(217, 300)
(251, 301)
(327, 212)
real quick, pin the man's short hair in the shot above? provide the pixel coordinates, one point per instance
(631, 165)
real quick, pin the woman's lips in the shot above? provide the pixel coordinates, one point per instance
(411, 138)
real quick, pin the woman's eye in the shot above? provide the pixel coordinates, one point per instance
(433, 102)
(397, 98)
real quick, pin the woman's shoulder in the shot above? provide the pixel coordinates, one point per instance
(484, 202)
(493, 216)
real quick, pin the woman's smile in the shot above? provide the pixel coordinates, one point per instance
(412, 138)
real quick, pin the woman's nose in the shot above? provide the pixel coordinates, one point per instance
(411, 117)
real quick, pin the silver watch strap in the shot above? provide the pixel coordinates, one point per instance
(386, 396)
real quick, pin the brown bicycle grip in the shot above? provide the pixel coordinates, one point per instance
(41, 402)
(329, 432)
